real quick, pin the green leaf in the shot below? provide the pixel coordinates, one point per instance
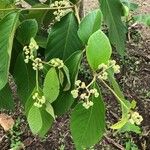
(34, 119)
(63, 102)
(65, 99)
(5, 4)
(143, 18)
(26, 31)
(90, 24)
(73, 64)
(61, 77)
(118, 91)
(41, 41)
(130, 5)
(7, 31)
(50, 109)
(51, 85)
(39, 15)
(63, 39)
(47, 121)
(120, 123)
(98, 49)
(42, 121)
(16, 50)
(112, 12)
(30, 102)
(128, 127)
(6, 98)
(130, 145)
(88, 125)
(24, 76)
(68, 84)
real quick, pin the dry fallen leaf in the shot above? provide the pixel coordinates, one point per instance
(6, 122)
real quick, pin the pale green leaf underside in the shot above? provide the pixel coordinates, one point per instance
(34, 119)
(51, 85)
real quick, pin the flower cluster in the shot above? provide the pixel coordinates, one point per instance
(29, 55)
(135, 118)
(29, 50)
(59, 13)
(83, 92)
(56, 62)
(39, 100)
(103, 69)
(37, 64)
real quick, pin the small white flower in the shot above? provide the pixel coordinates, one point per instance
(74, 93)
(56, 62)
(77, 83)
(55, 13)
(31, 57)
(37, 64)
(87, 104)
(91, 103)
(26, 61)
(52, 5)
(56, 3)
(116, 68)
(136, 118)
(82, 96)
(27, 52)
(131, 121)
(83, 85)
(102, 66)
(103, 76)
(96, 94)
(112, 62)
(42, 100)
(33, 45)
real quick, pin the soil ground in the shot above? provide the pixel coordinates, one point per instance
(135, 82)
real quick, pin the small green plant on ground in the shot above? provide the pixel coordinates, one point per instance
(42, 45)
(15, 138)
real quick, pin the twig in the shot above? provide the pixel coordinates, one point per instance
(33, 8)
(111, 141)
(1, 139)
